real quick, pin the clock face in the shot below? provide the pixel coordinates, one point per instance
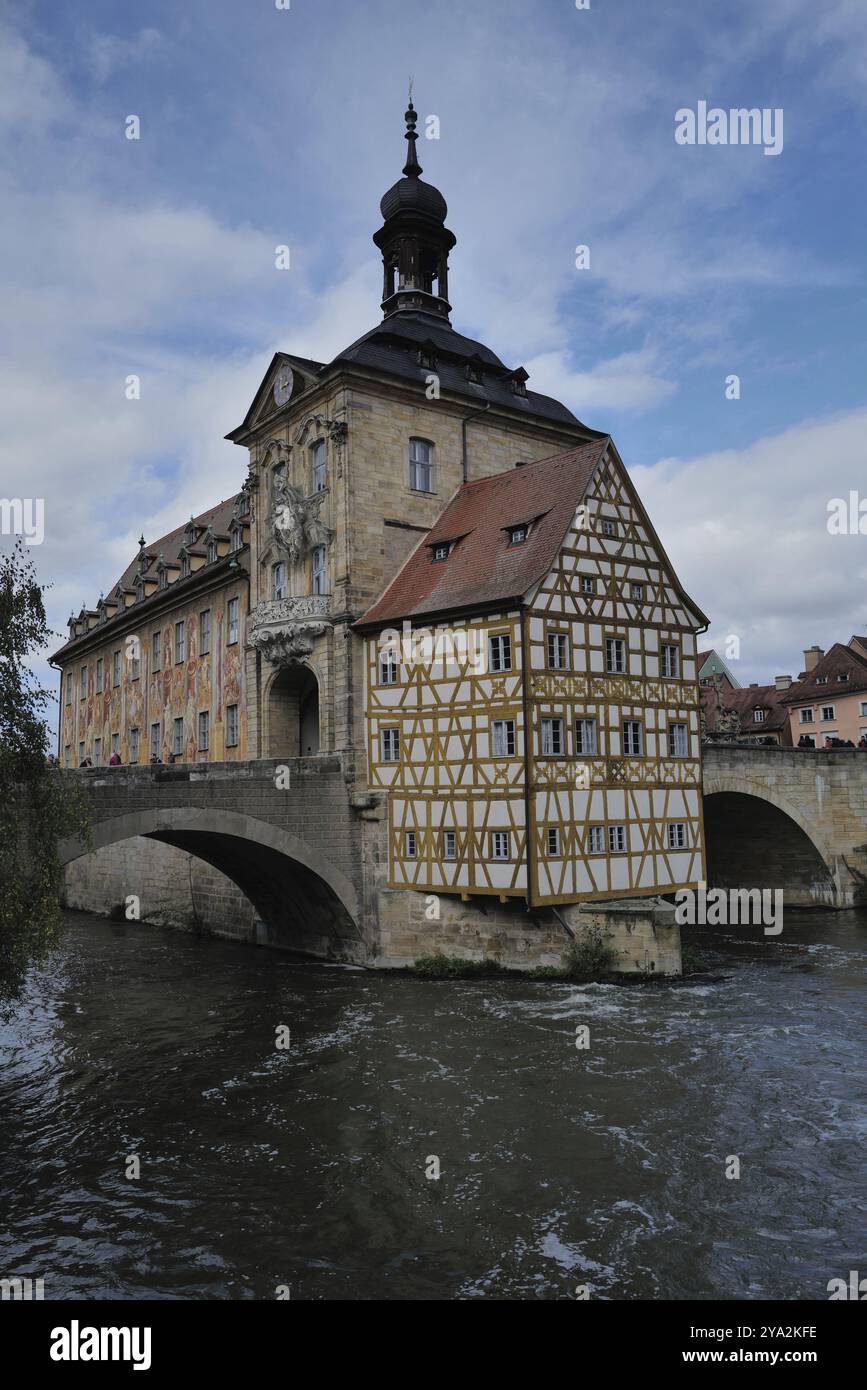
(283, 384)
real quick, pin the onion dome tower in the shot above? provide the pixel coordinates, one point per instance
(414, 240)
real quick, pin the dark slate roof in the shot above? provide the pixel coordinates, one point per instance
(393, 347)
(483, 568)
(413, 195)
(839, 660)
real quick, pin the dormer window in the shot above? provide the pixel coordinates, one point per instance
(212, 552)
(185, 566)
(519, 382)
(474, 373)
(164, 578)
(427, 359)
(441, 550)
(518, 534)
(236, 538)
(759, 716)
(843, 676)
(821, 680)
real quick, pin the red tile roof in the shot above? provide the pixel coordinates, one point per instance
(483, 568)
(746, 701)
(839, 660)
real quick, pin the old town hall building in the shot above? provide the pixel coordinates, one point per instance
(442, 576)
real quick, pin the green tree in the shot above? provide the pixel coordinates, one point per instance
(38, 805)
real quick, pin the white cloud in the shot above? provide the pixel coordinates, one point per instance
(624, 383)
(746, 530)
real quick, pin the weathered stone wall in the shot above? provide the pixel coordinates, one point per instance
(174, 889)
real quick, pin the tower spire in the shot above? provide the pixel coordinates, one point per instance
(412, 168)
(414, 240)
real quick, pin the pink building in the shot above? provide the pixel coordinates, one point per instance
(829, 700)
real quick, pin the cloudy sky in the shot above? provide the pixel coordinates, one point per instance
(263, 126)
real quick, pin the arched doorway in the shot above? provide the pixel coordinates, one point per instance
(293, 714)
(751, 843)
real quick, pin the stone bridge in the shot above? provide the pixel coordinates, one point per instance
(297, 840)
(288, 833)
(790, 818)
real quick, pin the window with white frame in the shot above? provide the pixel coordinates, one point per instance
(499, 844)
(450, 844)
(204, 730)
(155, 740)
(115, 668)
(588, 584)
(636, 593)
(676, 835)
(410, 844)
(758, 716)
(670, 660)
(806, 715)
(828, 713)
(134, 654)
(503, 738)
(97, 752)
(821, 680)
(863, 707)
(678, 742)
(552, 737)
(633, 738)
(178, 738)
(204, 632)
(319, 583)
(134, 736)
(69, 687)
(500, 651)
(596, 839)
(317, 455)
(558, 651)
(233, 608)
(518, 534)
(389, 745)
(100, 666)
(585, 735)
(278, 580)
(235, 541)
(115, 744)
(421, 465)
(616, 839)
(615, 655)
(388, 667)
(156, 651)
(232, 726)
(180, 641)
(553, 840)
(82, 683)
(609, 527)
(441, 550)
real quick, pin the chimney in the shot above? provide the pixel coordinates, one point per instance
(812, 657)
(782, 682)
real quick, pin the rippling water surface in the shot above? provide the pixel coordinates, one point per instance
(560, 1167)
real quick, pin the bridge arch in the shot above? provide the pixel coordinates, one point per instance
(296, 890)
(756, 837)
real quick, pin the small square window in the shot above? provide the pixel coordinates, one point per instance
(517, 535)
(441, 550)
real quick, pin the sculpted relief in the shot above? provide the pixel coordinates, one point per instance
(295, 522)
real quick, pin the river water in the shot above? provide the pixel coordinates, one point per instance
(306, 1167)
